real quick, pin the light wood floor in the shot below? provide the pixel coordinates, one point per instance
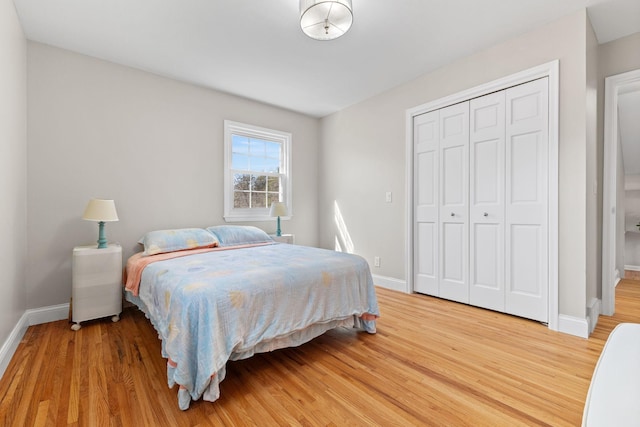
(432, 362)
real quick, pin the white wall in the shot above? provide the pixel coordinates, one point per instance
(154, 145)
(363, 153)
(594, 174)
(13, 168)
(619, 56)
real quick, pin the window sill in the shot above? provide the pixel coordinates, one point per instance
(254, 218)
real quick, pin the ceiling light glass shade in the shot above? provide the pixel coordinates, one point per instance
(325, 19)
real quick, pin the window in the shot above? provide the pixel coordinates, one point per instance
(257, 171)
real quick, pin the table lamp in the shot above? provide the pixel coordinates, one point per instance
(278, 209)
(101, 211)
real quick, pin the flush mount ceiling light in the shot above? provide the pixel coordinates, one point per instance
(325, 19)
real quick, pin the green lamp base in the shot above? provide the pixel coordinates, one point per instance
(102, 240)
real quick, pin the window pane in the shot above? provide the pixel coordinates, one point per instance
(241, 200)
(271, 165)
(273, 197)
(263, 164)
(259, 183)
(257, 147)
(258, 200)
(273, 149)
(273, 183)
(241, 181)
(240, 161)
(240, 144)
(255, 155)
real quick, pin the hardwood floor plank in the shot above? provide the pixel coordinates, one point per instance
(66, 378)
(11, 385)
(58, 354)
(41, 415)
(34, 368)
(73, 398)
(432, 362)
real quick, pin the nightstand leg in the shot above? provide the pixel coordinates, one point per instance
(115, 318)
(75, 326)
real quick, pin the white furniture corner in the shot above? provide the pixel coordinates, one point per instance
(96, 289)
(285, 238)
(614, 391)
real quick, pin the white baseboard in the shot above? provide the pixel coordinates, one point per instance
(390, 283)
(30, 317)
(573, 326)
(11, 344)
(632, 267)
(48, 314)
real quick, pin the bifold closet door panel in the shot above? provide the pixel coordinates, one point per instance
(486, 201)
(481, 201)
(426, 202)
(526, 200)
(454, 202)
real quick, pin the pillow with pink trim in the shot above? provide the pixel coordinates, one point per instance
(163, 241)
(236, 235)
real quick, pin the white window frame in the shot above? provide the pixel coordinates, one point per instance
(255, 214)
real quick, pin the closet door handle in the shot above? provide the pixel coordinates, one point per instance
(485, 214)
(453, 214)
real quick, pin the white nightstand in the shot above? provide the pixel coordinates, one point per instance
(96, 287)
(285, 238)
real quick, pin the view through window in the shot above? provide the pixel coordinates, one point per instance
(256, 167)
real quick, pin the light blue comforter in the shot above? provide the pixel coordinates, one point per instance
(227, 305)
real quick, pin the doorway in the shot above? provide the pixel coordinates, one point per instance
(621, 91)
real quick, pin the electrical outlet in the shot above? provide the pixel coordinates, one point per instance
(376, 261)
(388, 197)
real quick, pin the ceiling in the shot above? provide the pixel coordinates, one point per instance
(255, 48)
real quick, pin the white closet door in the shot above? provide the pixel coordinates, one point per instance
(526, 200)
(426, 179)
(454, 204)
(486, 201)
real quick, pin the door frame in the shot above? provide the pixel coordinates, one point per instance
(613, 86)
(550, 70)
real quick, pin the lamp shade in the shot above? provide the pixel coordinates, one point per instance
(100, 210)
(325, 19)
(278, 209)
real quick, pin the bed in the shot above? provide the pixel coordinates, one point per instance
(228, 292)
